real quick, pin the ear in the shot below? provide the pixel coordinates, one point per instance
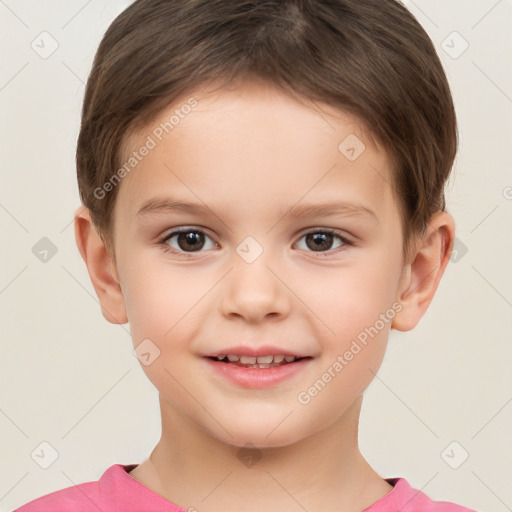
(101, 268)
(421, 276)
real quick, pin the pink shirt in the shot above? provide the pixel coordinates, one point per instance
(117, 491)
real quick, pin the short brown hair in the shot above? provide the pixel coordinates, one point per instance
(370, 58)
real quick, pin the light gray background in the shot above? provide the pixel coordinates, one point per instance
(70, 379)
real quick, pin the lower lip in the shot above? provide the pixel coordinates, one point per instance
(257, 377)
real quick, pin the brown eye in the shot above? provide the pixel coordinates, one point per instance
(191, 241)
(322, 241)
(187, 241)
(319, 241)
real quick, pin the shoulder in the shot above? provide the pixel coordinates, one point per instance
(98, 495)
(404, 498)
(77, 498)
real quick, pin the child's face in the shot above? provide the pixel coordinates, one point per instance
(245, 157)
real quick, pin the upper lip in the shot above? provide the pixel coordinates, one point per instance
(263, 350)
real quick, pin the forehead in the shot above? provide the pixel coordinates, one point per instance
(259, 107)
(256, 145)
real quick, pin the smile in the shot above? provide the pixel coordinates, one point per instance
(268, 361)
(256, 371)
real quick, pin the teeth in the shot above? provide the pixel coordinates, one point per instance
(259, 360)
(264, 359)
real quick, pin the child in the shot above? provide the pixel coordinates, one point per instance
(263, 191)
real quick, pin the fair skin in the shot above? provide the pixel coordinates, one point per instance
(251, 153)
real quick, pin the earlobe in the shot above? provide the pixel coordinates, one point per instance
(100, 267)
(424, 272)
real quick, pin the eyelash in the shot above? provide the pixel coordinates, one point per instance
(166, 248)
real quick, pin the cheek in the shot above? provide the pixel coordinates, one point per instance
(351, 299)
(360, 314)
(356, 303)
(156, 299)
(168, 306)
(162, 307)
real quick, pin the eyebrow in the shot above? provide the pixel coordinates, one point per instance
(164, 205)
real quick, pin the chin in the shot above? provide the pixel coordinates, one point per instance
(270, 432)
(256, 440)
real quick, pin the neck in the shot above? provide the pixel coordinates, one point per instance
(325, 471)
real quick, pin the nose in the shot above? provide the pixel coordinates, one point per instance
(255, 291)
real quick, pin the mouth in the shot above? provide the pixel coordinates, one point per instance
(266, 361)
(264, 367)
